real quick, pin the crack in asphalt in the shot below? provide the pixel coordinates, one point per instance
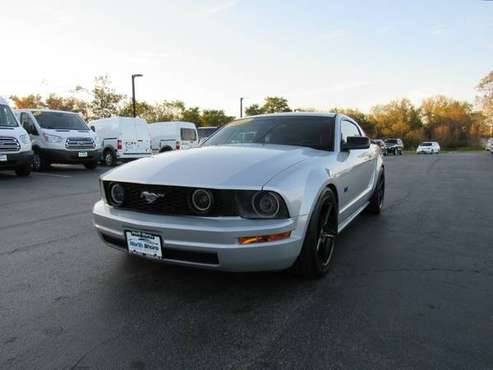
(43, 220)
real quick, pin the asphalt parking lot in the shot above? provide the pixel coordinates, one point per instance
(410, 288)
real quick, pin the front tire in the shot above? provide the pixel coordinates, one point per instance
(317, 252)
(91, 165)
(23, 171)
(109, 158)
(39, 163)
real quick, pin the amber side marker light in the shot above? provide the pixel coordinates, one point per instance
(264, 238)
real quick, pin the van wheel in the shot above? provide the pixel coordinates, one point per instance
(23, 171)
(317, 252)
(109, 158)
(40, 164)
(91, 165)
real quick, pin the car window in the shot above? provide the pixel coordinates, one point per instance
(314, 132)
(188, 134)
(60, 120)
(28, 124)
(348, 129)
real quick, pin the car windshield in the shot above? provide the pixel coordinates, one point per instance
(7, 118)
(391, 141)
(60, 120)
(314, 132)
(206, 131)
(426, 144)
(188, 134)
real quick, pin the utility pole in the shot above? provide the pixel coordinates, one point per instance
(241, 107)
(133, 92)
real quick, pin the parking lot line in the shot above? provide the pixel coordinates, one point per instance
(50, 174)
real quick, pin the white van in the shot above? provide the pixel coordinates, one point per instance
(122, 138)
(15, 145)
(59, 137)
(174, 135)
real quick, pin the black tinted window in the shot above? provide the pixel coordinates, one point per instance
(313, 132)
(59, 120)
(206, 132)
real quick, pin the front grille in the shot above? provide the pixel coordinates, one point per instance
(173, 254)
(176, 200)
(9, 144)
(80, 143)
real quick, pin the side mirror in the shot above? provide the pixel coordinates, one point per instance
(93, 128)
(355, 142)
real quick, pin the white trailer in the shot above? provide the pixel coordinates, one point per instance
(122, 138)
(174, 135)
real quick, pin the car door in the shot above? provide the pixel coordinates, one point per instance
(358, 177)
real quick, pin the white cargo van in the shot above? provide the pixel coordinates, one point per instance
(174, 135)
(15, 145)
(59, 137)
(122, 138)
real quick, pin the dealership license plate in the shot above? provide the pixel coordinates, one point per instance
(82, 154)
(3, 157)
(144, 243)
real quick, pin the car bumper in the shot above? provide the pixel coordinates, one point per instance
(16, 160)
(130, 157)
(70, 156)
(210, 243)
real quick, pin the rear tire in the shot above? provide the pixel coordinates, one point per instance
(378, 196)
(109, 158)
(317, 252)
(24, 170)
(91, 165)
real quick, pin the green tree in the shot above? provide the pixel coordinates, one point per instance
(142, 109)
(106, 100)
(192, 114)
(253, 110)
(34, 101)
(169, 111)
(214, 117)
(399, 118)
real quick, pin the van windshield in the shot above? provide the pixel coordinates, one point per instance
(60, 121)
(188, 134)
(7, 118)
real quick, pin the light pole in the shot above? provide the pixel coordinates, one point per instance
(133, 91)
(241, 107)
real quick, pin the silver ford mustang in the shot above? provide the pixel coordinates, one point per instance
(268, 192)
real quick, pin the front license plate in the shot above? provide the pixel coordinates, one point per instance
(144, 243)
(3, 157)
(82, 154)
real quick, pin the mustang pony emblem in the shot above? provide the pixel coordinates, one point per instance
(150, 197)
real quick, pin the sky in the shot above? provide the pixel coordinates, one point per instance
(318, 54)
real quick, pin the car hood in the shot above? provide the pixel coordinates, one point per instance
(221, 167)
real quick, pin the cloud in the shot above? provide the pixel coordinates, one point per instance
(220, 7)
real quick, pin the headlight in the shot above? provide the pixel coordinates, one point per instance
(53, 139)
(202, 201)
(24, 138)
(117, 194)
(261, 204)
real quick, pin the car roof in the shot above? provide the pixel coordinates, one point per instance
(297, 114)
(45, 110)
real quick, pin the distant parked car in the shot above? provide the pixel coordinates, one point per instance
(59, 137)
(428, 147)
(205, 132)
(122, 138)
(394, 146)
(176, 135)
(15, 145)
